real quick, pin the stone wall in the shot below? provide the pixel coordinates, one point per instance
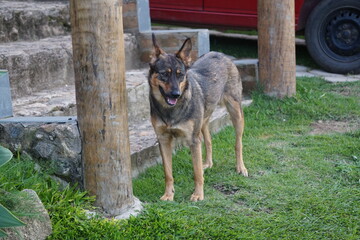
(55, 146)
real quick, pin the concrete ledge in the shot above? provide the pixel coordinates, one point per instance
(46, 120)
(298, 41)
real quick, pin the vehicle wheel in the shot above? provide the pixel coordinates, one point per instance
(333, 35)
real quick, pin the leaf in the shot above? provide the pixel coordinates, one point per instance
(5, 155)
(7, 219)
(2, 233)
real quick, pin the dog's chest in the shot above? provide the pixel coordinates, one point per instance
(183, 130)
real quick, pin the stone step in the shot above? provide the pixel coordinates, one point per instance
(27, 20)
(42, 1)
(47, 63)
(60, 101)
(39, 65)
(55, 100)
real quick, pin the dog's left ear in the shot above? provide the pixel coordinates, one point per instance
(184, 52)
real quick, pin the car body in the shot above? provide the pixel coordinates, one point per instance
(332, 27)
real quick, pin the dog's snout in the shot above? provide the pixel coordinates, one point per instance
(175, 93)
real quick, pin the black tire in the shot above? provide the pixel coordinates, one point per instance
(333, 35)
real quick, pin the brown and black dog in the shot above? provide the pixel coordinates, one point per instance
(182, 99)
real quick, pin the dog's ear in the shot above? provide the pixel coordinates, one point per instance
(184, 52)
(157, 49)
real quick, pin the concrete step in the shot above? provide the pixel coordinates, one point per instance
(60, 101)
(27, 20)
(47, 63)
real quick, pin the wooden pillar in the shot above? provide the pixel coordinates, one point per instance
(276, 46)
(101, 97)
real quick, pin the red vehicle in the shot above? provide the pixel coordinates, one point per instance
(332, 27)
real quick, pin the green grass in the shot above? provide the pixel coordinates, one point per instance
(301, 186)
(242, 48)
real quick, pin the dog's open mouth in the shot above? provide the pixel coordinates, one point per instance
(171, 101)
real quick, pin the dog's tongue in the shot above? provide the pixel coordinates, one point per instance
(172, 101)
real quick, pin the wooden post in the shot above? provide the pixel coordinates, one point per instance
(276, 46)
(99, 63)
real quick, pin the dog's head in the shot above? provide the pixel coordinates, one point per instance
(168, 73)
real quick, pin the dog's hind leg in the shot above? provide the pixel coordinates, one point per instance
(165, 144)
(208, 146)
(237, 117)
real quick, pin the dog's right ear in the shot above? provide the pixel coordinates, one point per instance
(184, 52)
(157, 49)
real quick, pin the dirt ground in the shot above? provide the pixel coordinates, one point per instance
(324, 127)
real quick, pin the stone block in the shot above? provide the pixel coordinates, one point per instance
(130, 23)
(171, 41)
(249, 72)
(33, 21)
(38, 225)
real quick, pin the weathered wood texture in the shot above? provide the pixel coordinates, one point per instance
(99, 63)
(276, 46)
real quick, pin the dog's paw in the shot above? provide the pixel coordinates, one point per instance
(197, 197)
(167, 197)
(207, 165)
(242, 171)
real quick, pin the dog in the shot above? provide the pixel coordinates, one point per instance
(182, 98)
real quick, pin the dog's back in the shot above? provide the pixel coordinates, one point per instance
(216, 76)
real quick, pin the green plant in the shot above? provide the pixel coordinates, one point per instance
(5, 155)
(7, 219)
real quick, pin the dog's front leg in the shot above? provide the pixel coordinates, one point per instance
(196, 155)
(166, 154)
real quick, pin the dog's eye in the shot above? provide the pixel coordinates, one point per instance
(179, 73)
(163, 75)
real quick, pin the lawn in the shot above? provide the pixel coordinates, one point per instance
(303, 157)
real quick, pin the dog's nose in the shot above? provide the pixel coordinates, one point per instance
(175, 93)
